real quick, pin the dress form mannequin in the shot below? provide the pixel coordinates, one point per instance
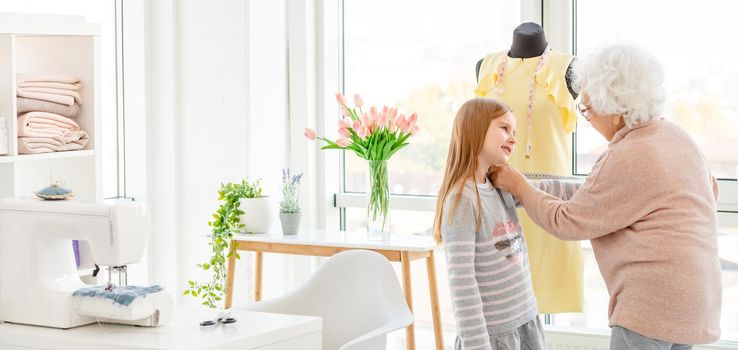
(535, 82)
(529, 40)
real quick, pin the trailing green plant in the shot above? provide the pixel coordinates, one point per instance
(290, 192)
(225, 223)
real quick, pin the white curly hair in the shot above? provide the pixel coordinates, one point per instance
(622, 79)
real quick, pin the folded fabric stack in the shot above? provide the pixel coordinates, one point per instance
(46, 104)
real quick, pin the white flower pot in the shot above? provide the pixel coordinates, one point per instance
(257, 214)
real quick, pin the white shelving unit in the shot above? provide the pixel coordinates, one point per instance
(40, 44)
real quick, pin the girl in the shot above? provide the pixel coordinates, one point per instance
(486, 256)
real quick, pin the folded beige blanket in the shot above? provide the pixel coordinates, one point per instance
(52, 84)
(58, 78)
(63, 99)
(44, 124)
(30, 104)
(77, 97)
(35, 145)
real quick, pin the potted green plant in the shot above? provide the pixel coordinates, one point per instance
(258, 210)
(289, 207)
(227, 220)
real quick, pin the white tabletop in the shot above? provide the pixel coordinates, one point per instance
(343, 239)
(253, 330)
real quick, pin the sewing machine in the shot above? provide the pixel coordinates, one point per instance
(38, 271)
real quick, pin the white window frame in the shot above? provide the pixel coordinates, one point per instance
(313, 40)
(558, 23)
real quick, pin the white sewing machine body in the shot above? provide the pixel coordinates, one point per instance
(38, 272)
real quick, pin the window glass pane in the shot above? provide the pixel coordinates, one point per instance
(102, 13)
(693, 44)
(594, 313)
(419, 56)
(596, 297)
(702, 96)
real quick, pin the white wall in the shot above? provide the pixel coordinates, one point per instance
(269, 129)
(216, 110)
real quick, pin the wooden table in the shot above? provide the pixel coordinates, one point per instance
(254, 330)
(399, 248)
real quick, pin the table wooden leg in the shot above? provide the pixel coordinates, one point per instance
(257, 275)
(435, 308)
(407, 286)
(230, 275)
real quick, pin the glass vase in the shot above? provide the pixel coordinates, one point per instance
(377, 201)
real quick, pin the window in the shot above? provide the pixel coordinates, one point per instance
(691, 43)
(103, 13)
(419, 56)
(423, 61)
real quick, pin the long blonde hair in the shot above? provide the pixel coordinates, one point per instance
(467, 138)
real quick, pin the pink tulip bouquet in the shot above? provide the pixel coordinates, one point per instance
(375, 135)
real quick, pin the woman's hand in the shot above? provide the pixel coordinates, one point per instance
(508, 179)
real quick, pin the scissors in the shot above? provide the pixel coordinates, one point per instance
(223, 317)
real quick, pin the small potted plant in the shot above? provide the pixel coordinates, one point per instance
(257, 216)
(289, 208)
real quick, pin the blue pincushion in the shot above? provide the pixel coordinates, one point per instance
(54, 191)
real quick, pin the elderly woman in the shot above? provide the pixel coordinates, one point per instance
(648, 207)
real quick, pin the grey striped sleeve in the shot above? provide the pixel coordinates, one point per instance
(459, 240)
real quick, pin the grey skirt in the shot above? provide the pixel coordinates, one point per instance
(529, 336)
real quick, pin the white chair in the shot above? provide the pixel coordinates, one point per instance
(357, 294)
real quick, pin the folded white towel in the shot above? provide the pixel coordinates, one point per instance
(44, 124)
(77, 97)
(52, 84)
(59, 78)
(35, 145)
(63, 99)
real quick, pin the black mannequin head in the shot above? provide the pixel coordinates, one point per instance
(528, 41)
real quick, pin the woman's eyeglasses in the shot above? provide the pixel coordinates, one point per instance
(583, 110)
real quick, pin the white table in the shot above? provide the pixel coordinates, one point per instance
(254, 330)
(399, 248)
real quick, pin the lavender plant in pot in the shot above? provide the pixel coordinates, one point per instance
(289, 207)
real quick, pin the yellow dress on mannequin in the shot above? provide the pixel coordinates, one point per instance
(556, 265)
